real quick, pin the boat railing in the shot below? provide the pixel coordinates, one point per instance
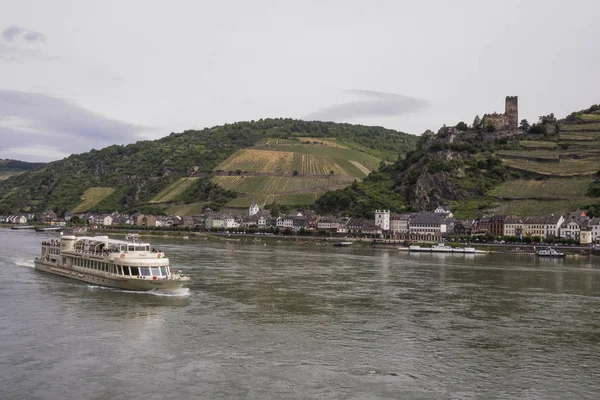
(94, 253)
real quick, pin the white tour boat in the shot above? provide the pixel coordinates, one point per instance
(550, 252)
(444, 248)
(109, 262)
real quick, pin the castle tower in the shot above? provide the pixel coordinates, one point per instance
(512, 111)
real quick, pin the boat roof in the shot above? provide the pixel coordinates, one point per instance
(103, 239)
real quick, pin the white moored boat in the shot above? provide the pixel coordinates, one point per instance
(109, 262)
(444, 248)
(550, 252)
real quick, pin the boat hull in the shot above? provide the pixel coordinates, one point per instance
(108, 280)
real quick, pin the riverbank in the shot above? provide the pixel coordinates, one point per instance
(246, 238)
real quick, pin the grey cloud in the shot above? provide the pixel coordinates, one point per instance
(14, 32)
(34, 37)
(17, 45)
(373, 104)
(43, 120)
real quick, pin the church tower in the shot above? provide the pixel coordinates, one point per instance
(253, 210)
(512, 111)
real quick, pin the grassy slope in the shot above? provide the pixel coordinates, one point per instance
(173, 190)
(92, 197)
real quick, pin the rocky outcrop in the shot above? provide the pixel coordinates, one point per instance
(432, 190)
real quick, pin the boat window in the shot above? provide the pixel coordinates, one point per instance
(144, 271)
(155, 271)
(164, 271)
(123, 248)
(114, 269)
(125, 270)
(135, 271)
(140, 248)
(130, 248)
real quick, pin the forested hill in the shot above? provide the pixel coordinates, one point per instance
(15, 167)
(135, 173)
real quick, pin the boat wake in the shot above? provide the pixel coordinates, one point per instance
(24, 263)
(183, 292)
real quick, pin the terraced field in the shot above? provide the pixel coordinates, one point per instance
(336, 154)
(331, 142)
(265, 185)
(535, 144)
(92, 197)
(545, 154)
(580, 136)
(293, 172)
(276, 141)
(171, 192)
(316, 165)
(558, 189)
(566, 167)
(590, 117)
(577, 145)
(252, 160)
(580, 127)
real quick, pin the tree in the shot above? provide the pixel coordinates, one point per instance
(524, 125)
(538, 128)
(547, 119)
(476, 122)
(490, 127)
(461, 126)
(295, 173)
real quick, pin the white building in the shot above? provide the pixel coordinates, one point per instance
(253, 208)
(513, 226)
(594, 224)
(230, 222)
(382, 219)
(553, 223)
(107, 220)
(329, 223)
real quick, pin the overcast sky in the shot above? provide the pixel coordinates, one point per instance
(77, 75)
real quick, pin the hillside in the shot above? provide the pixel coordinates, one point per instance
(295, 171)
(138, 176)
(476, 172)
(13, 167)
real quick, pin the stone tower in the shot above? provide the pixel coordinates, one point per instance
(512, 111)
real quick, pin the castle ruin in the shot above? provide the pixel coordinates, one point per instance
(508, 120)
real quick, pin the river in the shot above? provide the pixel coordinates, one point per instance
(300, 321)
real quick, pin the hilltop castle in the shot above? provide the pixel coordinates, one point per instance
(505, 125)
(508, 120)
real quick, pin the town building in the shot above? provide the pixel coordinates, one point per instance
(382, 219)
